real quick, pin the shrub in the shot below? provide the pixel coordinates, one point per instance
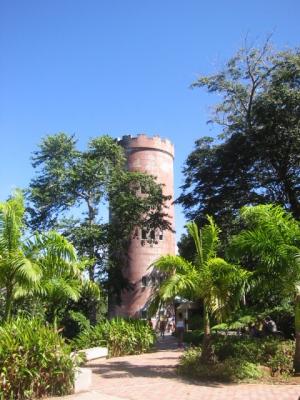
(279, 356)
(237, 347)
(129, 337)
(240, 359)
(122, 337)
(271, 352)
(34, 361)
(93, 336)
(229, 370)
(194, 337)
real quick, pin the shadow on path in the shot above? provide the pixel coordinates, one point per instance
(160, 364)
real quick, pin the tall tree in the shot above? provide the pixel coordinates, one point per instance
(256, 158)
(68, 178)
(209, 278)
(271, 236)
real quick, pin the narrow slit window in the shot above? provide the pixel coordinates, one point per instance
(144, 281)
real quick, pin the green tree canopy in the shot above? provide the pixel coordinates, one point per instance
(256, 157)
(68, 178)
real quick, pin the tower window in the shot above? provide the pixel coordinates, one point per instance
(161, 236)
(153, 280)
(144, 234)
(144, 281)
(152, 234)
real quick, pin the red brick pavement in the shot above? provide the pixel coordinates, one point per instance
(153, 377)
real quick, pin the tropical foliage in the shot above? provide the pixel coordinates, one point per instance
(209, 278)
(121, 336)
(43, 265)
(67, 179)
(272, 238)
(239, 358)
(34, 360)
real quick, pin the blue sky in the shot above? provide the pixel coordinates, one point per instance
(93, 67)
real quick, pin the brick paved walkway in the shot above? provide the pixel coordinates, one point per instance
(152, 377)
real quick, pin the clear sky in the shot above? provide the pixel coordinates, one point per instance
(94, 67)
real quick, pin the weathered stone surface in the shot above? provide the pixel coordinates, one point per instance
(83, 380)
(154, 156)
(94, 353)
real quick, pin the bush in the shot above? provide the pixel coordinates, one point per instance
(122, 337)
(93, 336)
(279, 356)
(271, 352)
(34, 361)
(237, 347)
(241, 359)
(229, 370)
(194, 337)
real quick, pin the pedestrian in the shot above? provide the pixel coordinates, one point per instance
(269, 326)
(150, 323)
(162, 326)
(170, 324)
(180, 330)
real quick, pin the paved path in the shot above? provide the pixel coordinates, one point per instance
(153, 377)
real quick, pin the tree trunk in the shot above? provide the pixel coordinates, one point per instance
(207, 349)
(8, 303)
(292, 197)
(297, 334)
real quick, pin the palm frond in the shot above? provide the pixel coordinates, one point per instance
(183, 285)
(210, 239)
(11, 223)
(27, 271)
(194, 232)
(170, 264)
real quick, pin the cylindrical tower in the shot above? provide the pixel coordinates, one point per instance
(154, 156)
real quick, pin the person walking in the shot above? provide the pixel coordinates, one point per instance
(180, 330)
(162, 327)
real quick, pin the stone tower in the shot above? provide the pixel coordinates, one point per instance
(154, 156)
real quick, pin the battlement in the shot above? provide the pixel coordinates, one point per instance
(142, 141)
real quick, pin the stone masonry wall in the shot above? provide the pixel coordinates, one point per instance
(152, 155)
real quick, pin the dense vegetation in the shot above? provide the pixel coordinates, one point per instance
(248, 180)
(35, 361)
(43, 276)
(67, 179)
(211, 279)
(239, 258)
(121, 336)
(241, 358)
(255, 159)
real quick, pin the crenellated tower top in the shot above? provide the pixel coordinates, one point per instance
(142, 141)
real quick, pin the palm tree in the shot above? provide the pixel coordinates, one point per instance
(16, 270)
(61, 274)
(43, 265)
(272, 239)
(209, 278)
